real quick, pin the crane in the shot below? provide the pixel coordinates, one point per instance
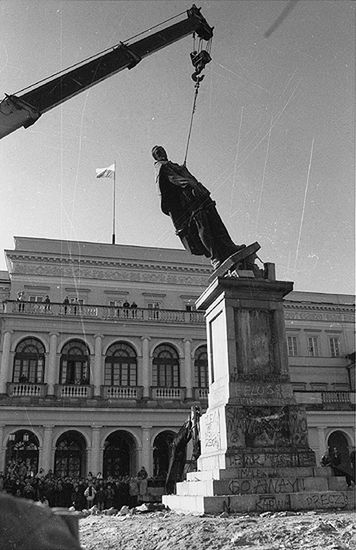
(25, 109)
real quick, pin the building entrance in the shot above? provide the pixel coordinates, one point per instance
(162, 449)
(70, 455)
(119, 455)
(22, 452)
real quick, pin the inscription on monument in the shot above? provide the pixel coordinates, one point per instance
(212, 429)
(327, 500)
(267, 485)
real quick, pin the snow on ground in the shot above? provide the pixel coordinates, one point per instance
(166, 530)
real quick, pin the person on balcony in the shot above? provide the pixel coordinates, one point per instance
(66, 304)
(21, 298)
(47, 302)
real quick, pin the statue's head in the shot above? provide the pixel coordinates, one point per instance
(159, 153)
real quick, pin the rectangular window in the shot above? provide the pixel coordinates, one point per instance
(64, 372)
(35, 298)
(292, 346)
(116, 378)
(313, 346)
(201, 376)
(132, 376)
(124, 375)
(17, 368)
(154, 375)
(334, 344)
(115, 303)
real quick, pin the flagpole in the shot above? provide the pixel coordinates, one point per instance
(113, 206)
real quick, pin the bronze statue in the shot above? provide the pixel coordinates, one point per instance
(192, 210)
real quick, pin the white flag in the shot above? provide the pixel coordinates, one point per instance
(108, 172)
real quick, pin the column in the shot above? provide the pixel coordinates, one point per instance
(323, 444)
(46, 459)
(188, 366)
(97, 365)
(52, 363)
(95, 462)
(146, 366)
(2, 450)
(5, 361)
(146, 454)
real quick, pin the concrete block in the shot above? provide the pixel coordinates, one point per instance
(333, 500)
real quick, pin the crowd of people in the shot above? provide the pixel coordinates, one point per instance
(20, 480)
(341, 466)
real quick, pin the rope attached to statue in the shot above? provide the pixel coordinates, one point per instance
(199, 58)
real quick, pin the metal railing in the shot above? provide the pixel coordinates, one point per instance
(112, 313)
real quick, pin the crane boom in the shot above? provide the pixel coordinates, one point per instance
(24, 110)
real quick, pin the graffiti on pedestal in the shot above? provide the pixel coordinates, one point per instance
(327, 500)
(270, 460)
(211, 429)
(235, 426)
(265, 486)
(298, 427)
(266, 426)
(257, 426)
(272, 503)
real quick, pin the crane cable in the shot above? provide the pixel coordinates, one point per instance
(197, 85)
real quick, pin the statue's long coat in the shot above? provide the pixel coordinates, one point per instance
(181, 202)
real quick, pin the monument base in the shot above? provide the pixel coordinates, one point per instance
(255, 455)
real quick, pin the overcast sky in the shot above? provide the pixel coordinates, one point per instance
(273, 135)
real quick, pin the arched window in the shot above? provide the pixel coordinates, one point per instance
(162, 450)
(29, 362)
(70, 455)
(120, 365)
(74, 367)
(165, 367)
(22, 451)
(119, 457)
(201, 377)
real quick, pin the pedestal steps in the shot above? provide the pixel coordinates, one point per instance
(271, 485)
(258, 473)
(306, 500)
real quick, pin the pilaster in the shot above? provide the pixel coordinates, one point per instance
(97, 374)
(50, 377)
(188, 366)
(147, 451)
(5, 361)
(95, 460)
(146, 365)
(46, 454)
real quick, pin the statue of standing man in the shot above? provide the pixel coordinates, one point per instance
(192, 210)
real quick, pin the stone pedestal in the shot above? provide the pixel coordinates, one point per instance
(254, 436)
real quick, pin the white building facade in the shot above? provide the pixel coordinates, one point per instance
(102, 355)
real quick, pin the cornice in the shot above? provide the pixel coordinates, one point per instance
(338, 308)
(336, 313)
(38, 259)
(114, 271)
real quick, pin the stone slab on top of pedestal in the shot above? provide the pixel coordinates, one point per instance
(251, 289)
